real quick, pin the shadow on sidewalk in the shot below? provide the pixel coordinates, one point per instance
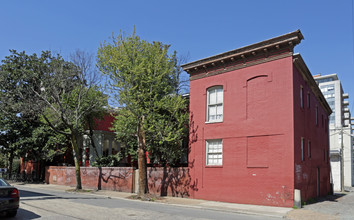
(329, 198)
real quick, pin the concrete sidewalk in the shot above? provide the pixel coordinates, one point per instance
(184, 202)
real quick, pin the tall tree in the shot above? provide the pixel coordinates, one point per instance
(13, 131)
(54, 91)
(152, 113)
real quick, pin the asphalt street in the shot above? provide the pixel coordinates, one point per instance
(47, 204)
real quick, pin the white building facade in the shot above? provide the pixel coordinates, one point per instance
(340, 127)
(105, 145)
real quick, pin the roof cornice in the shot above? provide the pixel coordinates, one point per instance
(333, 75)
(299, 63)
(286, 41)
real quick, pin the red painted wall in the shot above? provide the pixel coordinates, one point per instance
(28, 167)
(257, 134)
(168, 181)
(306, 128)
(105, 124)
(107, 178)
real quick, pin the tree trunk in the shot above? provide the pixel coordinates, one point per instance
(41, 174)
(92, 139)
(11, 160)
(76, 159)
(142, 159)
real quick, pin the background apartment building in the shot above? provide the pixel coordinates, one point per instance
(340, 126)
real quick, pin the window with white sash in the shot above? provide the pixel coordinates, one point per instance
(214, 152)
(215, 99)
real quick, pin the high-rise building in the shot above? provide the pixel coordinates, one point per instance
(341, 141)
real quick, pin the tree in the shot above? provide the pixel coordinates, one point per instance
(42, 145)
(53, 91)
(145, 77)
(23, 136)
(12, 131)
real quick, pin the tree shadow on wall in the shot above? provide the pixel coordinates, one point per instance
(118, 181)
(178, 179)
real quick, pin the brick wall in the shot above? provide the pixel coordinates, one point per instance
(106, 178)
(169, 181)
(161, 181)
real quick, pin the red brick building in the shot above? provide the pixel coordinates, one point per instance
(259, 126)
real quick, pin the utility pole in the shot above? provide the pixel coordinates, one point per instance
(341, 161)
(341, 133)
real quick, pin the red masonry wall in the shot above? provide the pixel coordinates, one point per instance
(169, 181)
(111, 178)
(257, 135)
(312, 172)
(29, 166)
(161, 181)
(105, 124)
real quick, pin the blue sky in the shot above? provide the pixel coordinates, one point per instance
(195, 28)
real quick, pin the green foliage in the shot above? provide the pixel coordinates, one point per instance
(167, 130)
(16, 166)
(145, 77)
(109, 161)
(46, 94)
(48, 88)
(2, 161)
(43, 144)
(125, 128)
(21, 82)
(311, 200)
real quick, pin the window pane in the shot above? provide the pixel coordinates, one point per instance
(214, 152)
(212, 113)
(220, 95)
(214, 105)
(212, 97)
(219, 111)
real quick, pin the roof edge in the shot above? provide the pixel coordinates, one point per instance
(305, 72)
(334, 75)
(287, 40)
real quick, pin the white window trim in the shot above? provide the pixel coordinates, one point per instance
(207, 105)
(207, 142)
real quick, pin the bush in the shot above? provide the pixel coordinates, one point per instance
(109, 161)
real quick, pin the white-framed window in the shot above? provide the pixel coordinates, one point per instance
(214, 152)
(302, 149)
(215, 99)
(301, 97)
